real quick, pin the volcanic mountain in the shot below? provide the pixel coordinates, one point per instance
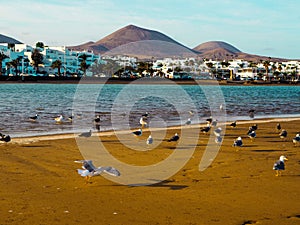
(9, 40)
(139, 42)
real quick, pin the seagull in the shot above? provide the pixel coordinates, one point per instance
(283, 134)
(296, 140)
(143, 122)
(97, 122)
(221, 107)
(192, 113)
(233, 124)
(254, 127)
(86, 134)
(174, 138)
(70, 118)
(188, 122)
(214, 123)
(149, 140)
(251, 113)
(279, 165)
(33, 118)
(205, 129)
(59, 119)
(238, 143)
(89, 170)
(252, 135)
(209, 120)
(145, 115)
(5, 138)
(250, 131)
(218, 140)
(218, 132)
(139, 132)
(278, 127)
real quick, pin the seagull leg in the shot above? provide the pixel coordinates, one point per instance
(276, 173)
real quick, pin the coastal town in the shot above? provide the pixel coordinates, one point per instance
(21, 60)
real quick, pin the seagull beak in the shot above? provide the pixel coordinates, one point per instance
(286, 159)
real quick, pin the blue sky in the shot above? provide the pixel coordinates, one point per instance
(263, 27)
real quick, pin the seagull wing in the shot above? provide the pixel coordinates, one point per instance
(109, 170)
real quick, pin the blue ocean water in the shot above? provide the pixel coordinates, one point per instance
(119, 104)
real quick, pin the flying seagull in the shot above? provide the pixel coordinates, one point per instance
(86, 134)
(89, 170)
(279, 165)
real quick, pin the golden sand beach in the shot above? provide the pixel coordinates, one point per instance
(40, 185)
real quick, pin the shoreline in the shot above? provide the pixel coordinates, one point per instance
(152, 81)
(70, 135)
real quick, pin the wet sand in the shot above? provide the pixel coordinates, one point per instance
(40, 185)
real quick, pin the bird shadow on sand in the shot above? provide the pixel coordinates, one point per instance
(36, 146)
(266, 150)
(163, 184)
(166, 184)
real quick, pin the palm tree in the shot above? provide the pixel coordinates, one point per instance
(2, 57)
(57, 65)
(37, 59)
(266, 65)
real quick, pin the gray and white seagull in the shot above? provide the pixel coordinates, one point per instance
(89, 170)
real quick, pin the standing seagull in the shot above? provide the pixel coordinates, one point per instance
(296, 140)
(233, 124)
(251, 113)
(278, 127)
(206, 129)
(238, 143)
(143, 122)
(97, 122)
(218, 140)
(5, 138)
(139, 132)
(149, 140)
(59, 119)
(174, 138)
(89, 170)
(188, 122)
(86, 134)
(279, 165)
(33, 118)
(218, 132)
(252, 135)
(283, 134)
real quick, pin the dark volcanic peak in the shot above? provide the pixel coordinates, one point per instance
(9, 40)
(213, 45)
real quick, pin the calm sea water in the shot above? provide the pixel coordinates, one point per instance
(119, 105)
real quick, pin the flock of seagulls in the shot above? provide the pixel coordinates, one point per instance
(89, 170)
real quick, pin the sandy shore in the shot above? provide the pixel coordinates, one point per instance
(39, 183)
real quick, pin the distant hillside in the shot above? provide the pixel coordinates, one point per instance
(136, 41)
(5, 39)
